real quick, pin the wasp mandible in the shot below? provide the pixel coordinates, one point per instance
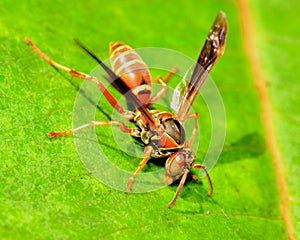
(161, 132)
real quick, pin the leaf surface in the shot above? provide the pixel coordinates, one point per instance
(46, 191)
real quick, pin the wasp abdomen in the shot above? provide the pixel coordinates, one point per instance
(129, 66)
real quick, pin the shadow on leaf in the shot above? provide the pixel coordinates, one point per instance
(250, 146)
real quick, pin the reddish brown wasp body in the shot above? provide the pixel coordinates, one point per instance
(130, 67)
(161, 132)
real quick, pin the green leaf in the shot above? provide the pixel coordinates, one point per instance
(46, 191)
(278, 37)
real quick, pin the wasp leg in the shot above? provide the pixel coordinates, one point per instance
(207, 176)
(195, 116)
(77, 74)
(168, 76)
(164, 88)
(148, 151)
(180, 186)
(132, 131)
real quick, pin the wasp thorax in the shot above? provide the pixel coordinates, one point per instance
(175, 130)
(177, 163)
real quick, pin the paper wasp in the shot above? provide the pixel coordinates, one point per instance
(161, 132)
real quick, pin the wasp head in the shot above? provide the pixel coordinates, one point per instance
(178, 163)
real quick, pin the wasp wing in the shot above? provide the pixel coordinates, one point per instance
(179, 90)
(120, 85)
(213, 48)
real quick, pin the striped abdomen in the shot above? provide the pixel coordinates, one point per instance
(130, 67)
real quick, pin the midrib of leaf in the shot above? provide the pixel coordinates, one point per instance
(249, 38)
